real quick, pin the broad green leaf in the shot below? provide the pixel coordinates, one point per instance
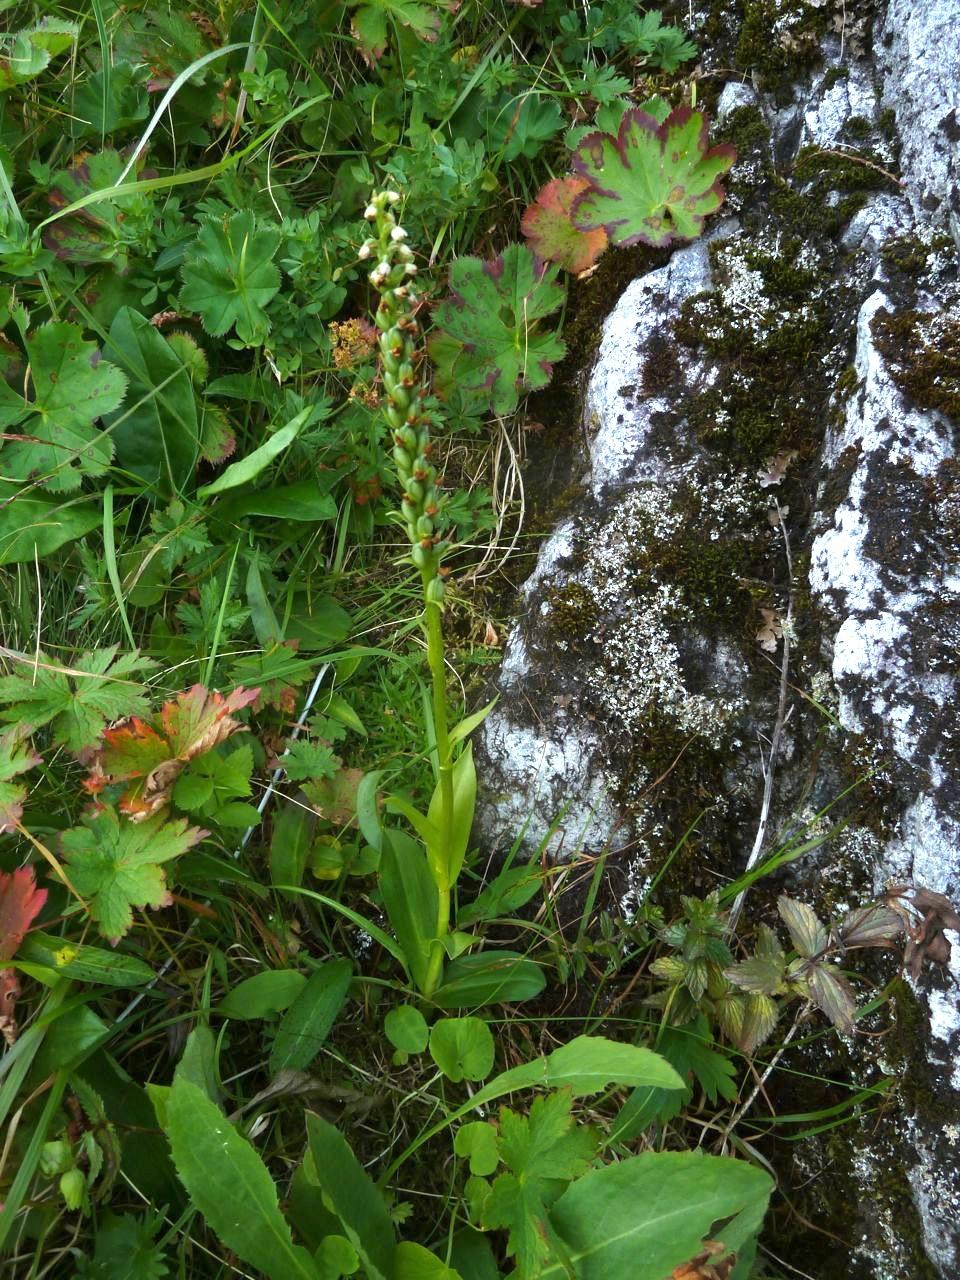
(543, 1152)
(248, 468)
(368, 809)
(198, 1062)
(652, 183)
(354, 1198)
(473, 1257)
(302, 501)
(410, 899)
(462, 1048)
(156, 434)
(507, 892)
(16, 758)
(71, 388)
(230, 276)
(230, 1185)
(85, 963)
(33, 525)
(644, 1217)
(406, 1029)
(115, 864)
(307, 1022)
(336, 1257)
(586, 1065)
(497, 977)
(446, 857)
(76, 699)
(293, 830)
(486, 340)
(263, 995)
(414, 1262)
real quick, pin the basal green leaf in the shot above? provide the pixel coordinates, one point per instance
(353, 1196)
(414, 1262)
(248, 468)
(35, 525)
(497, 977)
(230, 1185)
(652, 183)
(406, 1029)
(84, 963)
(263, 995)
(642, 1218)
(410, 899)
(307, 1022)
(462, 1048)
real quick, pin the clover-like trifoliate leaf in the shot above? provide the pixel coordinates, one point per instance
(229, 276)
(71, 388)
(652, 183)
(552, 235)
(76, 700)
(543, 1152)
(487, 341)
(115, 864)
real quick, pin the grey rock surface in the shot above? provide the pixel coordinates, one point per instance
(649, 628)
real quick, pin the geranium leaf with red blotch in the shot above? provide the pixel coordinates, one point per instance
(370, 21)
(20, 904)
(487, 340)
(549, 229)
(198, 721)
(16, 758)
(115, 865)
(652, 183)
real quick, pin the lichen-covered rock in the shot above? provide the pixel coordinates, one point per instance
(769, 445)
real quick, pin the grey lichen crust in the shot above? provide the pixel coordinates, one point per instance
(803, 363)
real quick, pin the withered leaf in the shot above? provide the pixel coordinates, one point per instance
(833, 995)
(770, 632)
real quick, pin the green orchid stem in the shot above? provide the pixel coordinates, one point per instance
(421, 508)
(435, 658)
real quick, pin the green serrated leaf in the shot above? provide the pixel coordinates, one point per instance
(230, 276)
(487, 340)
(16, 758)
(116, 865)
(76, 700)
(71, 388)
(652, 183)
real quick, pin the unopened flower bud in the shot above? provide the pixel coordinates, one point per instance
(55, 1157)
(364, 252)
(435, 591)
(73, 1186)
(370, 212)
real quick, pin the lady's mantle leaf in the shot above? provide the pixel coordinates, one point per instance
(487, 341)
(72, 387)
(115, 865)
(552, 235)
(370, 21)
(20, 903)
(229, 276)
(78, 700)
(152, 757)
(652, 182)
(15, 758)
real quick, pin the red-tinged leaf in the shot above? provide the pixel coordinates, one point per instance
(152, 758)
(652, 183)
(198, 721)
(15, 758)
(549, 228)
(20, 904)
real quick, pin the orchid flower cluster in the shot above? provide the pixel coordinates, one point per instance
(405, 409)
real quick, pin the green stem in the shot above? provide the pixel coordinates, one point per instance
(435, 660)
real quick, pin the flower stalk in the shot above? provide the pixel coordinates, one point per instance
(420, 513)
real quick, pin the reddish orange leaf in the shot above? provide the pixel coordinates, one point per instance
(20, 903)
(549, 228)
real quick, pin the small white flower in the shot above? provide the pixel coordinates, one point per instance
(410, 269)
(363, 252)
(370, 212)
(397, 235)
(392, 197)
